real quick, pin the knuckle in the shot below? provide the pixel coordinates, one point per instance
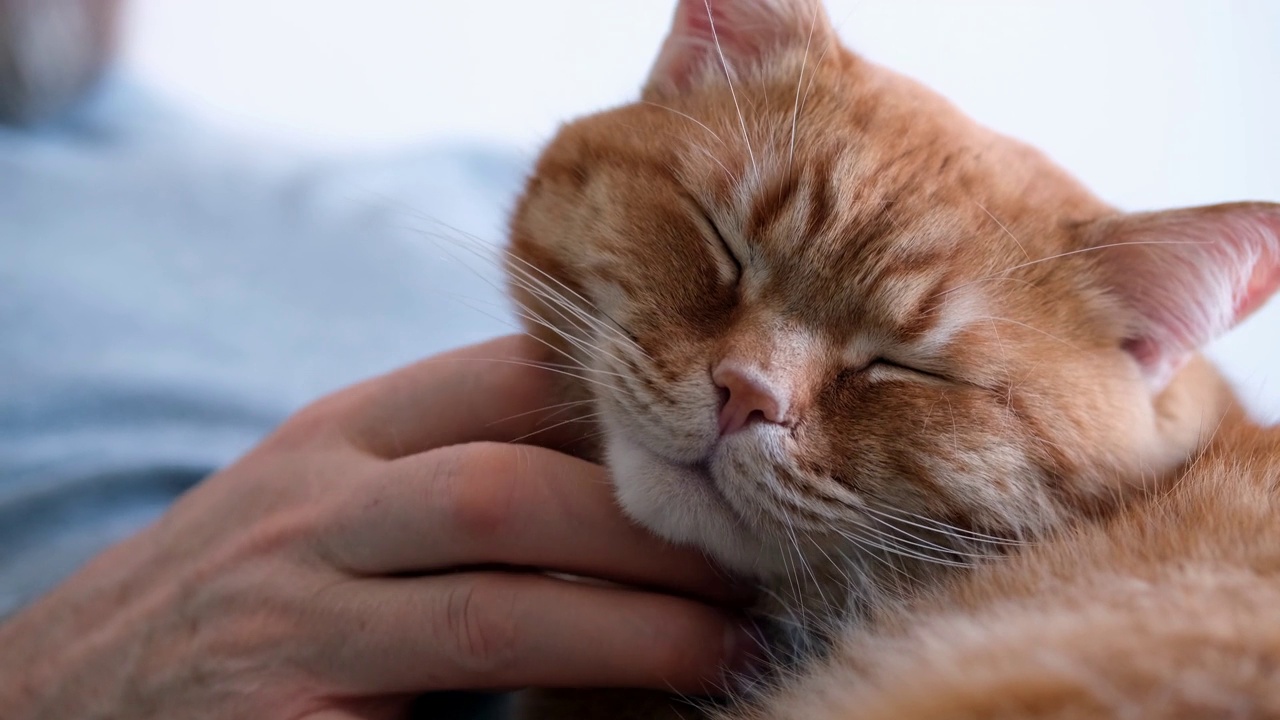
(316, 421)
(479, 622)
(480, 499)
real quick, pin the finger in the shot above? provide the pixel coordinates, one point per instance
(491, 391)
(492, 503)
(498, 630)
(362, 709)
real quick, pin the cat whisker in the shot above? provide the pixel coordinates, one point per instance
(879, 555)
(527, 313)
(558, 306)
(715, 36)
(581, 418)
(1004, 228)
(618, 329)
(933, 525)
(795, 110)
(468, 303)
(1104, 247)
(889, 545)
(588, 368)
(537, 319)
(558, 407)
(903, 536)
(715, 159)
(688, 117)
(583, 344)
(1068, 253)
(813, 76)
(552, 370)
(535, 285)
(1029, 327)
(808, 568)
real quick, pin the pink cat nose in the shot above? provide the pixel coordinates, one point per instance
(750, 396)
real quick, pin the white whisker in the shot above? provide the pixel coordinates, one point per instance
(795, 110)
(715, 36)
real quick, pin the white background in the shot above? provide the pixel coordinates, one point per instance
(1152, 103)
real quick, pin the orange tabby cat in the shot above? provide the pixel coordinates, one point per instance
(851, 343)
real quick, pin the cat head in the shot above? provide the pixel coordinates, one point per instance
(813, 302)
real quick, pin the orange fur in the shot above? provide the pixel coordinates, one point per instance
(967, 338)
(1167, 610)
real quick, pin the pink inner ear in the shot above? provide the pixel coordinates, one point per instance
(1263, 284)
(1191, 275)
(736, 33)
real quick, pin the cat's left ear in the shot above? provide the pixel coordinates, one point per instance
(1189, 275)
(732, 36)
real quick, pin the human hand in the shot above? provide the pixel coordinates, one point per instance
(378, 545)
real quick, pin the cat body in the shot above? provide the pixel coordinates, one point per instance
(1165, 610)
(849, 342)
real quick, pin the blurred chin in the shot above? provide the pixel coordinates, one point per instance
(677, 502)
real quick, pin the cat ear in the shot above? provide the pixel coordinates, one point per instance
(735, 33)
(1189, 275)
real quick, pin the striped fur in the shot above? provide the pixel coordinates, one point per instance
(944, 305)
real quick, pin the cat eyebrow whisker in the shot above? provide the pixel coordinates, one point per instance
(813, 76)
(795, 110)
(1029, 327)
(688, 117)
(1078, 251)
(742, 120)
(1005, 228)
(715, 159)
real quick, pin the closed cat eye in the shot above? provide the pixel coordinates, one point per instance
(724, 244)
(901, 367)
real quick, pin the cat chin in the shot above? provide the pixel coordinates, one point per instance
(680, 503)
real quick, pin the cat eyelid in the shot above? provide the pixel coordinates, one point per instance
(885, 362)
(724, 244)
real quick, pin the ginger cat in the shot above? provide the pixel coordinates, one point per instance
(1167, 610)
(859, 348)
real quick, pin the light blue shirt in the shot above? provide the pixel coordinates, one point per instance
(168, 295)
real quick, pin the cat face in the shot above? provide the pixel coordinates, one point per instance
(821, 311)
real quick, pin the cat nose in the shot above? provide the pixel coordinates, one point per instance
(748, 396)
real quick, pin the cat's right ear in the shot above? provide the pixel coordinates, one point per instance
(731, 36)
(1188, 275)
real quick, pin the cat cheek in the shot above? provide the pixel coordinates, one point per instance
(672, 501)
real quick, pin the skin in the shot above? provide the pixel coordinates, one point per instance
(380, 544)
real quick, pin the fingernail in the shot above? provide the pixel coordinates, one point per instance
(748, 657)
